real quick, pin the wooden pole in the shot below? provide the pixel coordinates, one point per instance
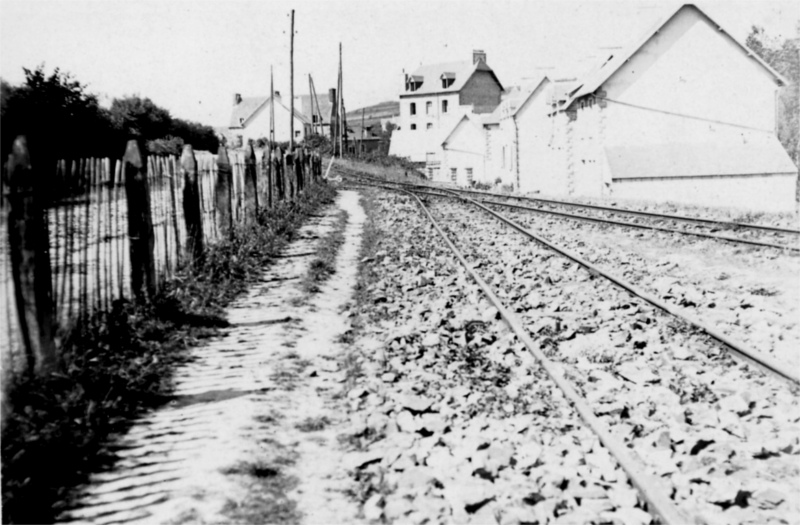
(192, 213)
(30, 257)
(315, 102)
(291, 88)
(340, 119)
(140, 222)
(271, 110)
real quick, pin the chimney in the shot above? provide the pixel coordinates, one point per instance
(332, 95)
(237, 98)
(278, 96)
(478, 55)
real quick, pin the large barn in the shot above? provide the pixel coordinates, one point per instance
(687, 113)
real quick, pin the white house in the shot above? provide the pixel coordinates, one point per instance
(433, 100)
(687, 113)
(250, 119)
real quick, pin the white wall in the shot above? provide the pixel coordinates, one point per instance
(766, 193)
(690, 68)
(465, 149)
(422, 119)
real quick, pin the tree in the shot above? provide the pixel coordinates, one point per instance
(140, 117)
(60, 118)
(783, 57)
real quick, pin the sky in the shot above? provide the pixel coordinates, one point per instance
(191, 56)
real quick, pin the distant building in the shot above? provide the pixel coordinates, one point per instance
(250, 120)
(318, 113)
(433, 100)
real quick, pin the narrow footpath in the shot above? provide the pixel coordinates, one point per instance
(251, 436)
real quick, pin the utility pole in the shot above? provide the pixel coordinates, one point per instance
(340, 130)
(271, 110)
(291, 87)
(311, 103)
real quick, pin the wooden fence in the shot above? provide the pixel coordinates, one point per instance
(92, 231)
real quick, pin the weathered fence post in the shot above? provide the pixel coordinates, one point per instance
(266, 160)
(140, 222)
(288, 169)
(277, 162)
(222, 193)
(30, 256)
(250, 185)
(192, 213)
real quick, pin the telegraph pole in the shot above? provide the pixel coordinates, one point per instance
(291, 87)
(271, 110)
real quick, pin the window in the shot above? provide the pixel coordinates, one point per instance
(469, 176)
(429, 126)
(428, 107)
(448, 79)
(413, 127)
(413, 108)
(241, 121)
(453, 174)
(296, 134)
(444, 106)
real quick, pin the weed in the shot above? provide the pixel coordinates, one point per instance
(324, 265)
(267, 500)
(765, 292)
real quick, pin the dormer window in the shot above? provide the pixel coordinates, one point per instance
(413, 82)
(448, 79)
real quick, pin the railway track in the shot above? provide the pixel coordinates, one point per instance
(731, 232)
(665, 446)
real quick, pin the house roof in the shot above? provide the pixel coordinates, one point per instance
(603, 71)
(431, 77)
(693, 160)
(245, 109)
(250, 106)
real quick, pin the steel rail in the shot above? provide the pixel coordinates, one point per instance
(738, 349)
(723, 238)
(648, 486)
(662, 216)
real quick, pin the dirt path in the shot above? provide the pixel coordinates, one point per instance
(251, 436)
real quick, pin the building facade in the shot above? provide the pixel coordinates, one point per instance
(433, 100)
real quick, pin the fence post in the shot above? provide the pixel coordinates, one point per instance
(222, 193)
(250, 185)
(140, 222)
(266, 160)
(192, 213)
(29, 244)
(288, 170)
(277, 161)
